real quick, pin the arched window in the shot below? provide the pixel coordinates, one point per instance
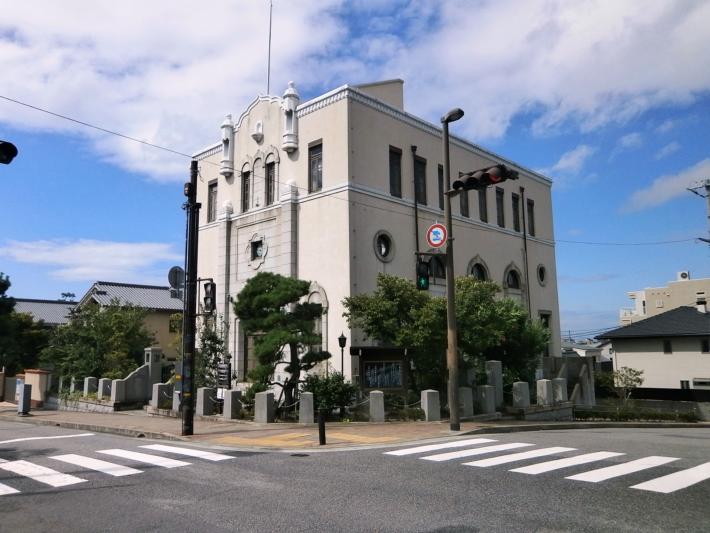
(512, 280)
(270, 181)
(246, 188)
(479, 272)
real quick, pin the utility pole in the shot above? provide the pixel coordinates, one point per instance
(703, 184)
(189, 313)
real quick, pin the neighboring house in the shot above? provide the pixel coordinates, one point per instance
(653, 301)
(51, 312)
(342, 187)
(672, 348)
(158, 301)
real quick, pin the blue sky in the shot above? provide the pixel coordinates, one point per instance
(610, 99)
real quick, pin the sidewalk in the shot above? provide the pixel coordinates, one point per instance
(243, 434)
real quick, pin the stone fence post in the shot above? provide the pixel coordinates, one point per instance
(377, 406)
(430, 405)
(264, 407)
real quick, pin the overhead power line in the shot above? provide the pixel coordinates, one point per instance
(650, 243)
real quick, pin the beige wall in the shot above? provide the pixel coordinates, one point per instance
(661, 299)
(663, 370)
(332, 231)
(158, 323)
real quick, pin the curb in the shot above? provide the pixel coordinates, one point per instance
(125, 432)
(582, 425)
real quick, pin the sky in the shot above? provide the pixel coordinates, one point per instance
(611, 100)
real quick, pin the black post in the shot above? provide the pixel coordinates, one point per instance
(321, 427)
(187, 398)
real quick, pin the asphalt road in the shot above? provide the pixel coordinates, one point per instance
(357, 490)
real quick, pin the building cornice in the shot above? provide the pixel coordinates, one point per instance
(352, 93)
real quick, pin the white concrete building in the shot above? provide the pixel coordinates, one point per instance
(656, 300)
(325, 191)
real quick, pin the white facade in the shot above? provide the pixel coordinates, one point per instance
(335, 219)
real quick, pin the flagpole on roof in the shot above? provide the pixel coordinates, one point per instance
(268, 62)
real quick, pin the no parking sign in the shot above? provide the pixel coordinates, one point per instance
(436, 235)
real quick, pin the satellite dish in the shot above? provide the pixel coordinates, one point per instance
(176, 277)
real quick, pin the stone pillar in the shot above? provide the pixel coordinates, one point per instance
(162, 395)
(176, 401)
(305, 408)
(232, 404)
(264, 407)
(153, 357)
(521, 395)
(72, 385)
(494, 373)
(103, 391)
(559, 390)
(430, 405)
(544, 392)
(2, 386)
(487, 397)
(377, 406)
(466, 401)
(118, 391)
(90, 385)
(205, 401)
(24, 400)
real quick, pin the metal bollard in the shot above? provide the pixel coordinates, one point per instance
(321, 427)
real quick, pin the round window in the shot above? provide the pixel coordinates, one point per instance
(542, 274)
(384, 246)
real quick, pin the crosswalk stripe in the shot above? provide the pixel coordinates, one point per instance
(4, 489)
(476, 451)
(609, 472)
(548, 466)
(111, 469)
(40, 473)
(440, 446)
(145, 458)
(512, 457)
(677, 480)
(190, 452)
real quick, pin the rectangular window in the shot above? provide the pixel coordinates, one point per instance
(516, 212)
(270, 182)
(500, 207)
(382, 375)
(482, 205)
(684, 384)
(441, 186)
(212, 201)
(246, 190)
(463, 196)
(667, 347)
(420, 180)
(315, 168)
(395, 172)
(531, 217)
(705, 345)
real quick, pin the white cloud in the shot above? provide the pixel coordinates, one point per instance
(667, 150)
(630, 141)
(573, 160)
(666, 126)
(666, 188)
(167, 72)
(90, 260)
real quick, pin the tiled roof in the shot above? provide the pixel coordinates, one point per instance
(145, 296)
(52, 312)
(680, 322)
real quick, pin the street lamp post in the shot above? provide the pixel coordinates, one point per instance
(452, 361)
(341, 342)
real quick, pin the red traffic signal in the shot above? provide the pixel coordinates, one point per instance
(480, 179)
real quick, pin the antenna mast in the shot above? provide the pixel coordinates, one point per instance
(268, 63)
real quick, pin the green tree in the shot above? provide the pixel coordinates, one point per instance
(22, 342)
(330, 391)
(99, 341)
(7, 304)
(208, 355)
(270, 307)
(622, 382)
(397, 314)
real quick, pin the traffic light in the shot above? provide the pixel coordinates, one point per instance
(8, 151)
(422, 275)
(480, 179)
(210, 297)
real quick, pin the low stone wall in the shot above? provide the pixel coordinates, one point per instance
(85, 405)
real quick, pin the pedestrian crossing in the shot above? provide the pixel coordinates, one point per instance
(571, 457)
(45, 475)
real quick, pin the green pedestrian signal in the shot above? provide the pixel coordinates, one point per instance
(422, 275)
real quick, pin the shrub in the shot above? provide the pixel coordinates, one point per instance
(625, 415)
(330, 391)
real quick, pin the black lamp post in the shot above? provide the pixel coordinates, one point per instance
(452, 361)
(341, 342)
